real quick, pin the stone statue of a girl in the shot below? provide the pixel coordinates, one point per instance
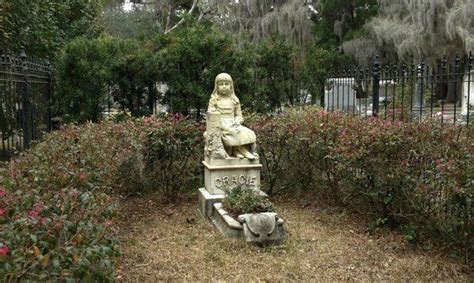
(238, 140)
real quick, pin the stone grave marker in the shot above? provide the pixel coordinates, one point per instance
(230, 161)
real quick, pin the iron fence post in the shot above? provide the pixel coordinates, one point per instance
(422, 86)
(322, 93)
(375, 86)
(457, 61)
(48, 97)
(469, 70)
(25, 102)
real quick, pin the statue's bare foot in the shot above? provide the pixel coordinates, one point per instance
(246, 153)
(250, 156)
(239, 155)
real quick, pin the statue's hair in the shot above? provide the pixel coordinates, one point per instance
(215, 95)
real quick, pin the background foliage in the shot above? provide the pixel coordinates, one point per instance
(94, 75)
(191, 58)
(43, 27)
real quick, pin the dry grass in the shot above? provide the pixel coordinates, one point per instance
(176, 243)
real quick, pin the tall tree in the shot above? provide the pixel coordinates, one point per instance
(190, 59)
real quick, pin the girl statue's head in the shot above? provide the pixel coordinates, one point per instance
(223, 86)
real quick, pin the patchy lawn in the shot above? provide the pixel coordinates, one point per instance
(162, 242)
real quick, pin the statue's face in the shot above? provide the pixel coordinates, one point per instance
(224, 87)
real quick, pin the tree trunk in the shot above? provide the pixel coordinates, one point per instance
(151, 97)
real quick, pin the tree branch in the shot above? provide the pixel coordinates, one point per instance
(182, 20)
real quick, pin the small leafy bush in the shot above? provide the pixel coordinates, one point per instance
(241, 200)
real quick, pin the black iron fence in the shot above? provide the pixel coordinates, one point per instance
(25, 112)
(441, 90)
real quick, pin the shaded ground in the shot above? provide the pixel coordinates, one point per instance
(176, 243)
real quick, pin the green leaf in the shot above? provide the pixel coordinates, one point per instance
(388, 199)
(34, 238)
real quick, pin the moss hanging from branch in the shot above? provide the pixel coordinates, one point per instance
(425, 28)
(262, 18)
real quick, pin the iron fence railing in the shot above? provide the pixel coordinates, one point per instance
(25, 111)
(443, 90)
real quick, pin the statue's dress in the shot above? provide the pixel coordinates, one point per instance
(231, 117)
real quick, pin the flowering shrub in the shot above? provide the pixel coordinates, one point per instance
(171, 153)
(56, 206)
(417, 176)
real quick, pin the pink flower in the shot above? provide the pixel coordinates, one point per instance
(36, 210)
(108, 223)
(33, 213)
(2, 212)
(2, 193)
(82, 176)
(14, 173)
(4, 250)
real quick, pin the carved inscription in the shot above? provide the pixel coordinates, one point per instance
(234, 180)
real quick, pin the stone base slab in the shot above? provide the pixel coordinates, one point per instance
(225, 223)
(206, 201)
(259, 232)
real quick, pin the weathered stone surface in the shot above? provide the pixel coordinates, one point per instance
(262, 228)
(225, 223)
(259, 228)
(218, 178)
(214, 148)
(206, 201)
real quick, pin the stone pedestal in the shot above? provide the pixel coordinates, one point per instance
(220, 175)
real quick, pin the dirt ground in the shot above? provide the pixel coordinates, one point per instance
(163, 242)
